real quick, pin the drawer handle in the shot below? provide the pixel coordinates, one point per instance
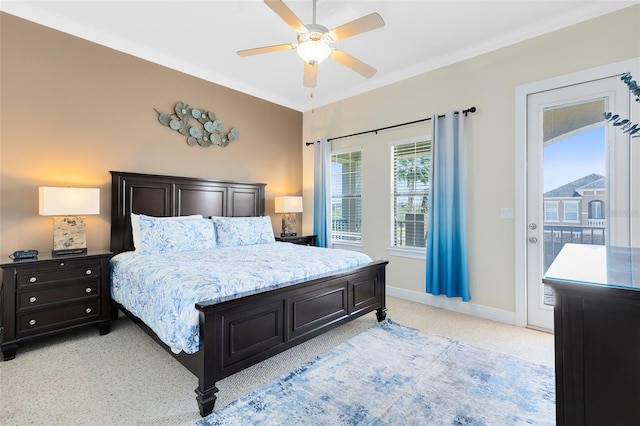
(32, 322)
(88, 310)
(88, 289)
(32, 299)
(88, 272)
(61, 263)
(33, 279)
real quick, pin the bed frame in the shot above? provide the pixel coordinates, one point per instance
(239, 333)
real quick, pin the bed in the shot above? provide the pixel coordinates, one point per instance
(235, 332)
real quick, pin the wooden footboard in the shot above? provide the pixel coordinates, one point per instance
(239, 333)
(242, 332)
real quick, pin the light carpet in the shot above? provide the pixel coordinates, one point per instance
(392, 374)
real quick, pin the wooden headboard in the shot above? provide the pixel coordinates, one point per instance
(156, 195)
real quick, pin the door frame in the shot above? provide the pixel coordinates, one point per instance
(520, 196)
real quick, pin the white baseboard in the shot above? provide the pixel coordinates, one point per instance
(454, 304)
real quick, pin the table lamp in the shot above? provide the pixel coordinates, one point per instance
(69, 207)
(288, 206)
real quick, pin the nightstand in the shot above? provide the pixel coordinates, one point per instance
(47, 295)
(303, 240)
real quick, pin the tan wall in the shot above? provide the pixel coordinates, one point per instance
(487, 82)
(72, 110)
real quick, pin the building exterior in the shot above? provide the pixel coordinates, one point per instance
(580, 203)
(574, 213)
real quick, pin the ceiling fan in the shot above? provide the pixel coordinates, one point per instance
(315, 41)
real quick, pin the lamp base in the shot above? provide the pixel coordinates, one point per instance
(289, 225)
(69, 235)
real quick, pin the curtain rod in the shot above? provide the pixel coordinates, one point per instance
(465, 112)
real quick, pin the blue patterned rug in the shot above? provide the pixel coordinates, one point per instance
(395, 375)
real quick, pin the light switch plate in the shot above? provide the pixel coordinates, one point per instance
(506, 213)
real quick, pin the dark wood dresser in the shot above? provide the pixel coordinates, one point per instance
(47, 295)
(597, 334)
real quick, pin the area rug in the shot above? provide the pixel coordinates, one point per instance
(395, 375)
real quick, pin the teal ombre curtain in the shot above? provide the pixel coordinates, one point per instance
(447, 270)
(322, 192)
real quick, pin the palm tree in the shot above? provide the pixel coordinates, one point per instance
(412, 171)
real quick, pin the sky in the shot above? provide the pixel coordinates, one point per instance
(573, 158)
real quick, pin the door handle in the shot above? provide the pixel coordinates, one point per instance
(533, 240)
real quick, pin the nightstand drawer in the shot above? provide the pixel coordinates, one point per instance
(58, 272)
(36, 321)
(33, 297)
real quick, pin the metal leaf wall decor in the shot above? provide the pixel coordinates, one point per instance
(625, 124)
(209, 132)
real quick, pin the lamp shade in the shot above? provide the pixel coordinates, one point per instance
(64, 201)
(288, 204)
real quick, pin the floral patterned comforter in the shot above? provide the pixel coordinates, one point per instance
(162, 289)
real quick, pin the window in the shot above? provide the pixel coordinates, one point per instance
(346, 201)
(551, 211)
(595, 210)
(411, 169)
(570, 211)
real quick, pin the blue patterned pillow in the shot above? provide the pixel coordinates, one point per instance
(243, 231)
(135, 226)
(164, 236)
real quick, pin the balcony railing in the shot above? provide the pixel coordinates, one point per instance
(597, 223)
(410, 233)
(555, 237)
(345, 230)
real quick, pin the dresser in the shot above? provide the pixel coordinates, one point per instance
(597, 334)
(48, 295)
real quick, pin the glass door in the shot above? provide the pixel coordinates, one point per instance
(578, 180)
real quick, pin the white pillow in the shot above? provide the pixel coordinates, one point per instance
(135, 226)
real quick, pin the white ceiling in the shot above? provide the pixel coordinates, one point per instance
(201, 38)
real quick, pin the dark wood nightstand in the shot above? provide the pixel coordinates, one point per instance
(303, 240)
(47, 295)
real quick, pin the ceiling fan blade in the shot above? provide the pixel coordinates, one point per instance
(310, 75)
(287, 15)
(358, 26)
(266, 49)
(355, 64)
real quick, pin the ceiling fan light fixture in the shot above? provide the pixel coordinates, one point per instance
(314, 52)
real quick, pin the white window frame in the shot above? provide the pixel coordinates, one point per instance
(337, 243)
(565, 204)
(557, 206)
(397, 250)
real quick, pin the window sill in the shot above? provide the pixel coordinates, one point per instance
(413, 253)
(347, 246)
